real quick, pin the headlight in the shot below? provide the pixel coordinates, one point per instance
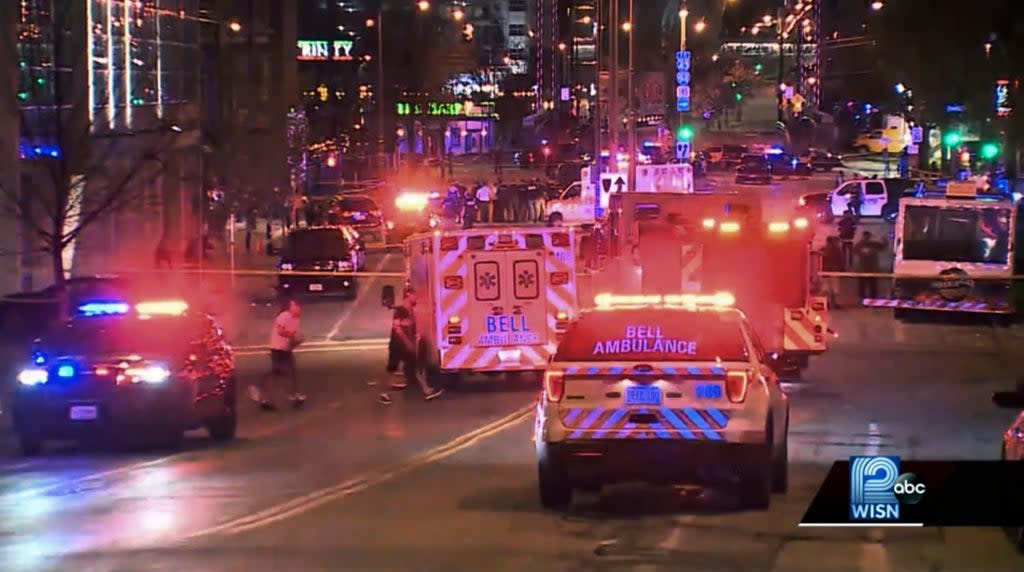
(803, 202)
(285, 266)
(33, 376)
(390, 225)
(411, 201)
(345, 266)
(147, 374)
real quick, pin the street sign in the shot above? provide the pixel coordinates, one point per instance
(917, 135)
(614, 183)
(682, 150)
(683, 81)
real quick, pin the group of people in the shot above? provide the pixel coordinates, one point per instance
(843, 252)
(286, 336)
(482, 202)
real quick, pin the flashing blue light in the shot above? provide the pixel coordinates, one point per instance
(66, 371)
(543, 141)
(606, 154)
(103, 309)
(39, 358)
(775, 151)
(648, 144)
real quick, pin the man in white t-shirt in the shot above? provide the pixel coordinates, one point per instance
(284, 338)
(485, 202)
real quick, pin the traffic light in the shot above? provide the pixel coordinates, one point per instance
(989, 151)
(685, 133)
(758, 68)
(951, 139)
(739, 96)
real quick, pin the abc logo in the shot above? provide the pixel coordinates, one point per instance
(908, 489)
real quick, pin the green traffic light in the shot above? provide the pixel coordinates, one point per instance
(758, 67)
(989, 151)
(685, 133)
(739, 97)
(951, 139)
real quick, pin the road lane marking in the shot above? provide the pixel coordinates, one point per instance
(300, 505)
(360, 295)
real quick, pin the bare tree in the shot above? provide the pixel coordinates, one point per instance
(81, 168)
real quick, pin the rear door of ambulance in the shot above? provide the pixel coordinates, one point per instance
(506, 325)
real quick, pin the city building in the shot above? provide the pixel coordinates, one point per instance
(137, 105)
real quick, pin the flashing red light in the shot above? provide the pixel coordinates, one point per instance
(332, 160)
(546, 151)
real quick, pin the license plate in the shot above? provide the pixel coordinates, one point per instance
(83, 413)
(316, 287)
(643, 395)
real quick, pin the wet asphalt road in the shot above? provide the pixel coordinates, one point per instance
(349, 484)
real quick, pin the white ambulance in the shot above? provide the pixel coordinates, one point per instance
(490, 299)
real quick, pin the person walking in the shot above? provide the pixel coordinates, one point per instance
(285, 336)
(468, 209)
(403, 328)
(867, 251)
(485, 202)
(832, 260)
(847, 228)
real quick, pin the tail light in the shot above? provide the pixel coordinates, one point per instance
(454, 326)
(736, 385)
(455, 340)
(559, 278)
(561, 321)
(560, 239)
(797, 315)
(818, 306)
(449, 243)
(453, 282)
(554, 385)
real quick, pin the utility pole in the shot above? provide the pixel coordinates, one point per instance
(596, 112)
(631, 103)
(780, 99)
(613, 76)
(381, 102)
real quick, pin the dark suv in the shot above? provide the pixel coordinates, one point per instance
(333, 252)
(363, 214)
(123, 369)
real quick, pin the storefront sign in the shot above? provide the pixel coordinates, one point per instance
(325, 50)
(483, 109)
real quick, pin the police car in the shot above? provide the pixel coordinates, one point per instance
(152, 368)
(662, 389)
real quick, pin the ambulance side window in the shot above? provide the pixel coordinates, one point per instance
(526, 274)
(487, 279)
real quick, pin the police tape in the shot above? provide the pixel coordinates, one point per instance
(959, 277)
(219, 271)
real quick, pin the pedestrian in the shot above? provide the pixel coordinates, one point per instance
(840, 179)
(847, 234)
(162, 256)
(867, 252)
(832, 260)
(533, 196)
(250, 228)
(285, 336)
(468, 209)
(485, 202)
(403, 329)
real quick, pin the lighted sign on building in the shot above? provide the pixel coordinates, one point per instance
(325, 50)
(446, 109)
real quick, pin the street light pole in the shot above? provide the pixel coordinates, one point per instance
(380, 82)
(684, 15)
(631, 103)
(780, 99)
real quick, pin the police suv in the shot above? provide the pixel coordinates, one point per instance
(662, 389)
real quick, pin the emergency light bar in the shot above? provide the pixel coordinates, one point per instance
(411, 201)
(719, 299)
(93, 309)
(162, 308)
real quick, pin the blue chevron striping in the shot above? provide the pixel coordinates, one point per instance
(718, 371)
(594, 371)
(678, 424)
(718, 417)
(611, 422)
(616, 370)
(590, 419)
(573, 414)
(694, 371)
(626, 429)
(571, 370)
(669, 370)
(699, 421)
(660, 431)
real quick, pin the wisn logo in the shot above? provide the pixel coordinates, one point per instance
(877, 489)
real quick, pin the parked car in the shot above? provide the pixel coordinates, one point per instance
(820, 160)
(785, 166)
(335, 251)
(363, 214)
(28, 315)
(815, 206)
(754, 169)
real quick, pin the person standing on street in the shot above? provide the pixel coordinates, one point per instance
(284, 338)
(867, 251)
(485, 202)
(469, 209)
(403, 327)
(832, 260)
(847, 228)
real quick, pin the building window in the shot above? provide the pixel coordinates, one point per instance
(517, 6)
(516, 30)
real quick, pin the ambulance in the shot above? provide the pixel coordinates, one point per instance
(491, 299)
(720, 241)
(584, 203)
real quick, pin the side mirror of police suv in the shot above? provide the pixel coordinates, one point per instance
(387, 296)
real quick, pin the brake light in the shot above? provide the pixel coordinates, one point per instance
(453, 282)
(729, 227)
(449, 243)
(560, 239)
(709, 223)
(559, 278)
(796, 315)
(554, 385)
(818, 306)
(736, 386)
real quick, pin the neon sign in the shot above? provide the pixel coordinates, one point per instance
(484, 109)
(325, 50)
(1002, 96)
(644, 340)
